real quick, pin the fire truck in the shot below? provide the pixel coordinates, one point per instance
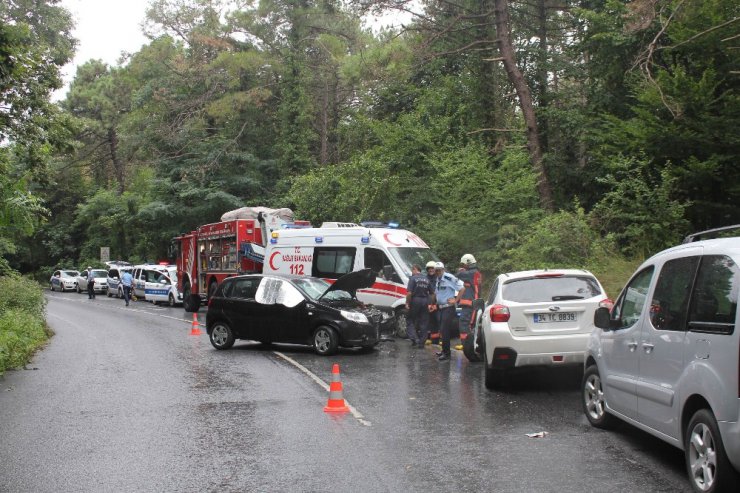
(258, 240)
(235, 245)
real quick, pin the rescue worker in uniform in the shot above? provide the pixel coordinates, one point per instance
(472, 279)
(447, 291)
(420, 293)
(433, 315)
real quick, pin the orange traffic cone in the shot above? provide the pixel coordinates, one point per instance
(194, 329)
(336, 402)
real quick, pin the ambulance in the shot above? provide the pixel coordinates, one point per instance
(335, 249)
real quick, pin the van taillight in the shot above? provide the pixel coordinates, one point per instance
(606, 303)
(499, 313)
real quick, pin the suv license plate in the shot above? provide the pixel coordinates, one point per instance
(542, 318)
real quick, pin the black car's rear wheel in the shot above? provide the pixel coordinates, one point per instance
(325, 340)
(222, 336)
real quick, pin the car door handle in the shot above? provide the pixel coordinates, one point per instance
(632, 345)
(648, 347)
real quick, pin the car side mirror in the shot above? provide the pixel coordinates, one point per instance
(603, 319)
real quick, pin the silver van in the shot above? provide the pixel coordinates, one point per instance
(666, 359)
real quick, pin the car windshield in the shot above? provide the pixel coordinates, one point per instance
(69, 273)
(100, 273)
(406, 257)
(544, 289)
(314, 288)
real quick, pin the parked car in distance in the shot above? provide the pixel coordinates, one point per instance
(63, 280)
(537, 318)
(666, 359)
(156, 283)
(293, 309)
(101, 281)
(114, 287)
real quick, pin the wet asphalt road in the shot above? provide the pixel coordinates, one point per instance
(124, 399)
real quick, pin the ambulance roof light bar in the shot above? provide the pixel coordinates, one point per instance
(380, 224)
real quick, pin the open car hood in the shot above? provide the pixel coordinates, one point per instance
(353, 281)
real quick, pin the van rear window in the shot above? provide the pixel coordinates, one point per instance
(545, 289)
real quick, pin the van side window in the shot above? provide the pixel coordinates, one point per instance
(714, 300)
(633, 298)
(333, 262)
(671, 295)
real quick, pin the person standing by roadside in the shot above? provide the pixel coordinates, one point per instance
(433, 329)
(90, 284)
(420, 294)
(472, 279)
(448, 286)
(127, 281)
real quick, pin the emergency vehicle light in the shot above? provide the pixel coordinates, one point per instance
(319, 239)
(393, 224)
(365, 240)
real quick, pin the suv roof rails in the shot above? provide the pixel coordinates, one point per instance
(697, 236)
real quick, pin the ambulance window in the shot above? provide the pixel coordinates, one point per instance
(333, 262)
(375, 260)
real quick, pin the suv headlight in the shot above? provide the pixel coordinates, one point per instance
(355, 317)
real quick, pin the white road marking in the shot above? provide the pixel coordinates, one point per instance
(358, 416)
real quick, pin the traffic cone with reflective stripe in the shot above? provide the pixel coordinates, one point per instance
(195, 329)
(336, 402)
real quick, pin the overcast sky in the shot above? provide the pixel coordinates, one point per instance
(104, 29)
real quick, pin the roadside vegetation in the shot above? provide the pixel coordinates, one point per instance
(22, 326)
(583, 134)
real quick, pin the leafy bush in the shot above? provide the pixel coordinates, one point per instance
(26, 296)
(21, 334)
(22, 326)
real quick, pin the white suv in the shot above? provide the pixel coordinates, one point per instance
(538, 318)
(666, 358)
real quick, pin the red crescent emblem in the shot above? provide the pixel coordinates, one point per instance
(385, 237)
(272, 266)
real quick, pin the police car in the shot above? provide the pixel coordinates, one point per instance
(63, 280)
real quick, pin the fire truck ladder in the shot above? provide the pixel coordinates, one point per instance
(253, 252)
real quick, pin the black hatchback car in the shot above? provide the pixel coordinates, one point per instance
(292, 309)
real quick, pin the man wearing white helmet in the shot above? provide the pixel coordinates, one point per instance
(447, 288)
(471, 278)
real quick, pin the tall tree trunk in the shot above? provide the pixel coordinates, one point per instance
(324, 125)
(503, 37)
(542, 73)
(118, 166)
